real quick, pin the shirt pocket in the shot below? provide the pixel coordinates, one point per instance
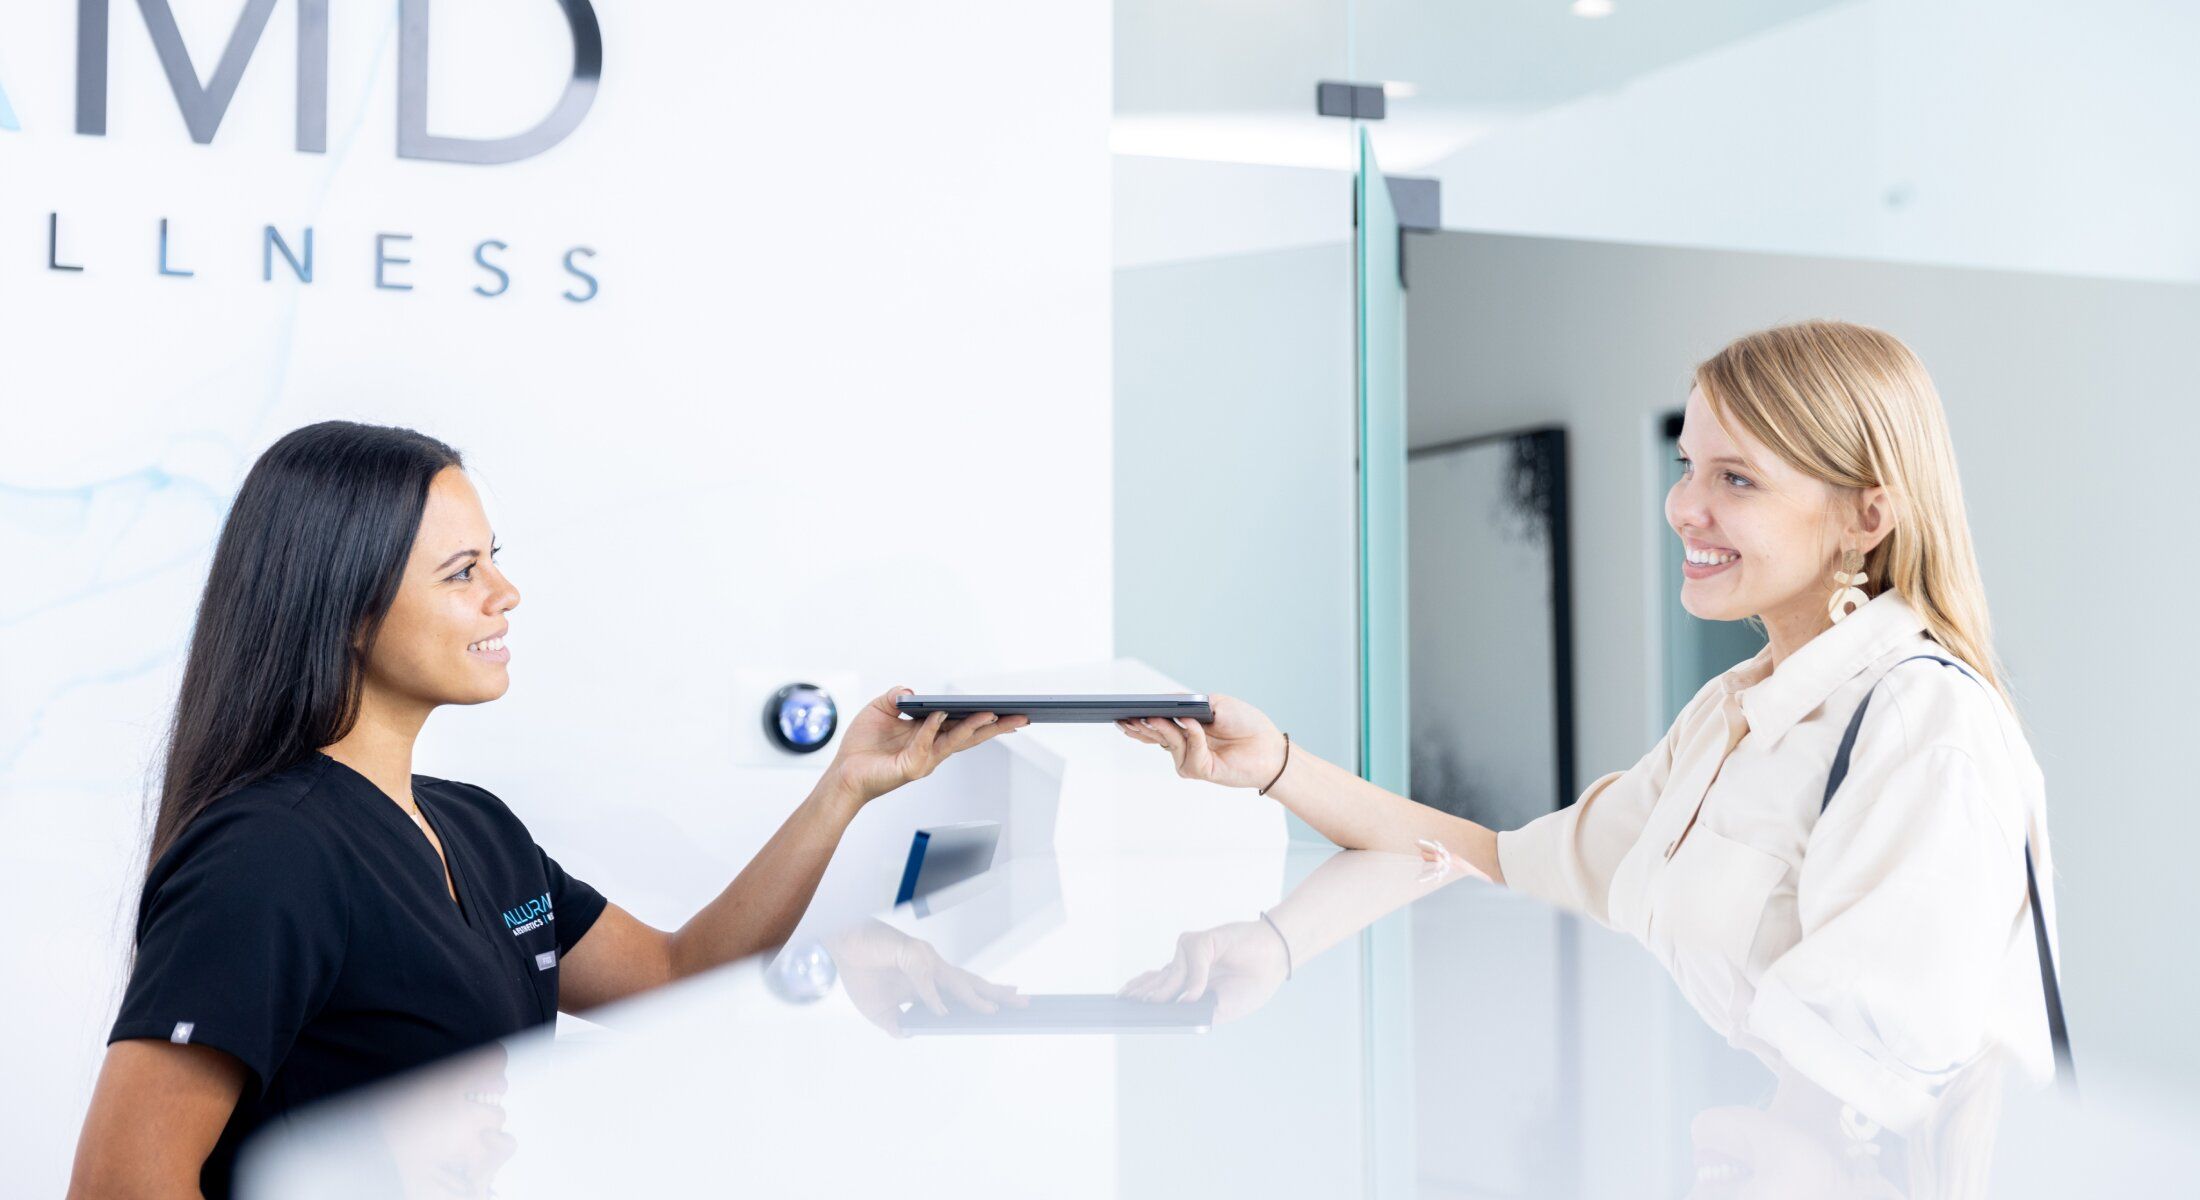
(1705, 912)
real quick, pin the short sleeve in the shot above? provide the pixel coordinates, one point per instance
(1911, 890)
(241, 935)
(576, 904)
(1568, 857)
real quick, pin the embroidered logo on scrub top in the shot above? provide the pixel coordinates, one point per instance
(528, 917)
(181, 1034)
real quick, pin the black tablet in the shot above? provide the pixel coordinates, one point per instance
(1068, 1014)
(1091, 709)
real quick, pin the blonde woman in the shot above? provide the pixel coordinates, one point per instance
(1884, 944)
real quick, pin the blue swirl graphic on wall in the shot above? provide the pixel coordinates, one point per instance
(7, 114)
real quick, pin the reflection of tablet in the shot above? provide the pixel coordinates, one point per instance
(1069, 1014)
(1065, 708)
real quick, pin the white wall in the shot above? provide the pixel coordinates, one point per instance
(2071, 402)
(2025, 134)
(845, 291)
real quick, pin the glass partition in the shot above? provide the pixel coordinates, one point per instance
(1234, 359)
(1384, 735)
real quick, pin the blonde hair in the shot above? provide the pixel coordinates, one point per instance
(1853, 407)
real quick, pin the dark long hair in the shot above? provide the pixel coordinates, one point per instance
(307, 567)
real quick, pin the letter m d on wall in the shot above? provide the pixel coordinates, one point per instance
(205, 103)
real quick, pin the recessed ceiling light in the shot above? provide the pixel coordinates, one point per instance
(1395, 90)
(1592, 9)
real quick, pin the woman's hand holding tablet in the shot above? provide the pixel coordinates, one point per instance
(881, 751)
(1239, 747)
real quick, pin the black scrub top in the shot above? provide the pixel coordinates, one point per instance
(302, 924)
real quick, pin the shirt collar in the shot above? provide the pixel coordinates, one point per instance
(1774, 700)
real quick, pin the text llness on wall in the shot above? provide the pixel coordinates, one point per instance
(287, 251)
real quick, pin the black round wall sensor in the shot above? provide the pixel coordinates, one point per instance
(800, 718)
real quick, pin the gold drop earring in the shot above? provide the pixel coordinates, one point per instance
(1848, 587)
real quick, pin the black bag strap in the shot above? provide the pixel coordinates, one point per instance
(2050, 986)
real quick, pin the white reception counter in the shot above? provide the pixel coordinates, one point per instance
(1435, 1037)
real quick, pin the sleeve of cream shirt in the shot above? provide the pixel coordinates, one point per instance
(1911, 888)
(1567, 858)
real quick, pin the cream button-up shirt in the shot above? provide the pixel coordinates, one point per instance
(1877, 949)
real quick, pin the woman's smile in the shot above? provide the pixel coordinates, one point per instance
(491, 649)
(1700, 561)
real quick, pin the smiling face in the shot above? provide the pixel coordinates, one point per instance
(1761, 538)
(442, 641)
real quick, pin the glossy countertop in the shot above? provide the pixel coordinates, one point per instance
(1387, 1028)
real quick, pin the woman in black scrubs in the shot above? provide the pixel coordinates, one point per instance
(316, 916)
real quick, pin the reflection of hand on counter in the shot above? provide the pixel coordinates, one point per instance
(1246, 961)
(884, 968)
(1243, 962)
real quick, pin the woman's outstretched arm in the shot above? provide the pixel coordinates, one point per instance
(1357, 815)
(882, 750)
(1243, 748)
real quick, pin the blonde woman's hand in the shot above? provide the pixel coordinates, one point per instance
(1242, 748)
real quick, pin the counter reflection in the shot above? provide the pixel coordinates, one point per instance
(1141, 1026)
